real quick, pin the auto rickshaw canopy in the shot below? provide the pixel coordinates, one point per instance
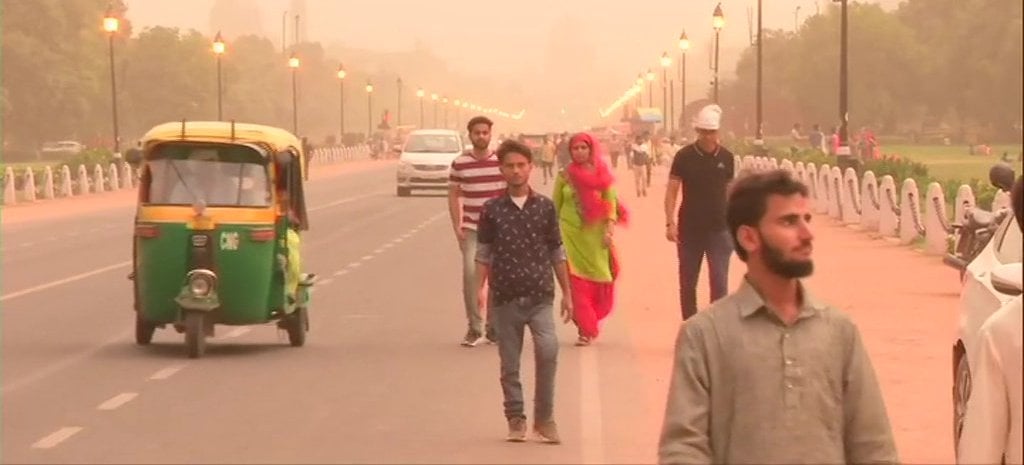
(277, 140)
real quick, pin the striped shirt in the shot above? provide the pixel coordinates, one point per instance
(480, 180)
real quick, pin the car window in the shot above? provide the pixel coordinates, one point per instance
(1008, 249)
(427, 143)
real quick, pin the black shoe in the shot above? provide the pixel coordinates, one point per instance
(491, 336)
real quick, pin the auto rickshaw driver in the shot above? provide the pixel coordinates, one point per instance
(293, 267)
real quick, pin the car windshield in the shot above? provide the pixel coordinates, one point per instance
(433, 143)
(1009, 249)
(215, 176)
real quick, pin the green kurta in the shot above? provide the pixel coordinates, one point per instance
(589, 258)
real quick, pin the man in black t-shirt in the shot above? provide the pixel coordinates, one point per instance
(702, 171)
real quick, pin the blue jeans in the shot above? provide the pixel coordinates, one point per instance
(692, 248)
(510, 321)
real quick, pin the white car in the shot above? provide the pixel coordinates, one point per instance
(426, 160)
(979, 299)
(63, 147)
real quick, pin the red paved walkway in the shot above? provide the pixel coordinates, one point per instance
(904, 303)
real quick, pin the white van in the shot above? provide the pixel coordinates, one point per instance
(426, 160)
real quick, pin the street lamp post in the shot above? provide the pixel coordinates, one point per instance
(369, 107)
(444, 102)
(111, 24)
(650, 87)
(293, 63)
(718, 22)
(843, 155)
(759, 136)
(419, 95)
(218, 49)
(398, 116)
(341, 102)
(665, 63)
(434, 98)
(684, 46)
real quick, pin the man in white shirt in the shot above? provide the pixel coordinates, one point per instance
(992, 431)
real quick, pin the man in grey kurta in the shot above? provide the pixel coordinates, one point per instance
(770, 374)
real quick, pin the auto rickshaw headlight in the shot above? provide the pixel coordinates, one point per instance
(201, 282)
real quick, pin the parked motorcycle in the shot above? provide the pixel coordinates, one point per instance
(973, 232)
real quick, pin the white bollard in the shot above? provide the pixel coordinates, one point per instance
(28, 185)
(811, 179)
(749, 163)
(824, 191)
(10, 193)
(113, 179)
(48, 191)
(836, 193)
(126, 176)
(788, 166)
(851, 197)
(1001, 201)
(774, 162)
(935, 232)
(98, 183)
(964, 202)
(800, 171)
(910, 211)
(888, 219)
(83, 180)
(869, 202)
(66, 187)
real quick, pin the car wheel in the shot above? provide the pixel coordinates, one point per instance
(402, 191)
(961, 394)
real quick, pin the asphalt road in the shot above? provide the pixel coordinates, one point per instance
(382, 378)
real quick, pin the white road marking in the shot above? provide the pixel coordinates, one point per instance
(237, 332)
(55, 367)
(325, 282)
(354, 265)
(60, 282)
(592, 428)
(379, 250)
(340, 272)
(28, 244)
(367, 257)
(398, 240)
(166, 372)
(386, 246)
(114, 402)
(57, 437)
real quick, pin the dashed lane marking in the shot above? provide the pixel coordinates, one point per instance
(57, 437)
(167, 372)
(117, 401)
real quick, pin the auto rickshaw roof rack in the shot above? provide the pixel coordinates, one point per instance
(277, 139)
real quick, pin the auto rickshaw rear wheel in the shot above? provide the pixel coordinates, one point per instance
(297, 326)
(195, 334)
(143, 330)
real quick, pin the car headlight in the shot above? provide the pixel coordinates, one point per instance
(201, 282)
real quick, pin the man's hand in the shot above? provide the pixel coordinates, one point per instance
(567, 311)
(672, 233)
(460, 235)
(608, 236)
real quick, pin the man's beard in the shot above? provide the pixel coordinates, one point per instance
(776, 262)
(481, 144)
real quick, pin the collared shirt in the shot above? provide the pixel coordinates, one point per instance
(747, 388)
(520, 244)
(705, 177)
(993, 423)
(479, 181)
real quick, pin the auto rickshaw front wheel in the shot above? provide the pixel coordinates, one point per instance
(195, 334)
(143, 330)
(297, 324)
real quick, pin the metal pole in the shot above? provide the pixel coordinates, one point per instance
(113, 96)
(341, 110)
(284, 32)
(844, 112)
(220, 92)
(664, 98)
(296, 29)
(672, 106)
(682, 96)
(717, 34)
(369, 116)
(759, 137)
(650, 94)
(421, 112)
(295, 103)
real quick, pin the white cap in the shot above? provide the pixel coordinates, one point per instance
(710, 118)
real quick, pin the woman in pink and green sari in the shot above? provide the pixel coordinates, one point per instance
(588, 210)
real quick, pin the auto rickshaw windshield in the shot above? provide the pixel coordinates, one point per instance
(216, 175)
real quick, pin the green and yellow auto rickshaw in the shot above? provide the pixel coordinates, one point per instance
(220, 209)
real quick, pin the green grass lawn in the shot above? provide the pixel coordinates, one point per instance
(954, 162)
